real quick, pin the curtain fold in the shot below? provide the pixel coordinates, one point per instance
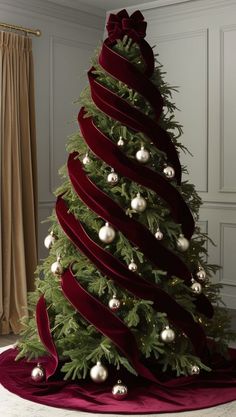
(18, 179)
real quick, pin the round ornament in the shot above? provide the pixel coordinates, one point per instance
(138, 203)
(142, 155)
(98, 373)
(114, 303)
(158, 234)
(196, 287)
(132, 266)
(167, 335)
(182, 243)
(49, 240)
(119, 391)
(106, 233)
(120, 142)
(112, 178)
(56, 267)
(86, 160)
(194, 370)
(38, 373)
(169, 172)
(201, 274)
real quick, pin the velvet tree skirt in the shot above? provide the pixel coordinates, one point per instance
(173, 395)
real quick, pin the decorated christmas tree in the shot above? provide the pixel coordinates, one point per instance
(126, 287)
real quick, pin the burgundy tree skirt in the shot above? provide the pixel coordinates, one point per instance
(179, 394)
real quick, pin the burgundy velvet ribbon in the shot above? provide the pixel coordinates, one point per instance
(119, 109)
(120, 68)
(104, 320)
(121, 24)
(135, 28)
(106, 150)
(135, 232)
(45, 336)
(134, 283)
(110, 211)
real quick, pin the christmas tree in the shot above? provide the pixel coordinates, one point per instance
(126, 283)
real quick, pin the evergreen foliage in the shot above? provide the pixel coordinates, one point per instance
(80, 345)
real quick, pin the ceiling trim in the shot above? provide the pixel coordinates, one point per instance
(93, 19)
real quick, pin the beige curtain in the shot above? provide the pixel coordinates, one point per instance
(18, 179)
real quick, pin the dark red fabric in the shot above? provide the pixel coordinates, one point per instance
(120, 68)
(106, 150)
(119, 109)
(45, 335)
(178, 394)
(103, 319)
(118, 272)
(134, 27)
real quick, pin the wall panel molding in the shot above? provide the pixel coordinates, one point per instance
(225, 164)
(201, 157)
(227, 253)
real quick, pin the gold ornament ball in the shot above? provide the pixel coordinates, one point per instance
(182, 243)
(98, 373)
(167, 335)
(119, 391)
(158, 234)
(196, 287)
(49, 241)
(142, 155)
(114, 303)
(201, 274)
(38, 373)
(56, 268)
(138, 204)
(169, 172)
(194, 370)
(132, 266)
(106, 233)
(112, 178)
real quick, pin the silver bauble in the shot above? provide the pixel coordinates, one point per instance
(158, 234)
(49, 241)
(38, 373)
(201, 274)
(56, 267)
(86, 160)
(132, 266)
(138, 204)
(182, 243)
(98, 373)
(167, 335)
(194, 370)
(142, 155)
(120, 142)
(114, 303)
(119, 391)
(112, 178)
(106, 233)
(196, 287)
(169, 172)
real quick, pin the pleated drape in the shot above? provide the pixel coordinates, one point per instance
(18, 179)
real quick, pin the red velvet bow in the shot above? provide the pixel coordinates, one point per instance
(121, 24)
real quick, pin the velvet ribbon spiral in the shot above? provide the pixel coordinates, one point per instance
(108, 102)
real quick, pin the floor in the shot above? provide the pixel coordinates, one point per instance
(13, 406)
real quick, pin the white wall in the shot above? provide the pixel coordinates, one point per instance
(61, 57)
(196, 42)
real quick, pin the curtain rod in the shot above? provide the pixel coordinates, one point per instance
(35, 32)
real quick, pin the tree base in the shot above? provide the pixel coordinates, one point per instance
(178, 394)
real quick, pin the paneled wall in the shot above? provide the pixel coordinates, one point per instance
(196, 44)
(61, 57)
